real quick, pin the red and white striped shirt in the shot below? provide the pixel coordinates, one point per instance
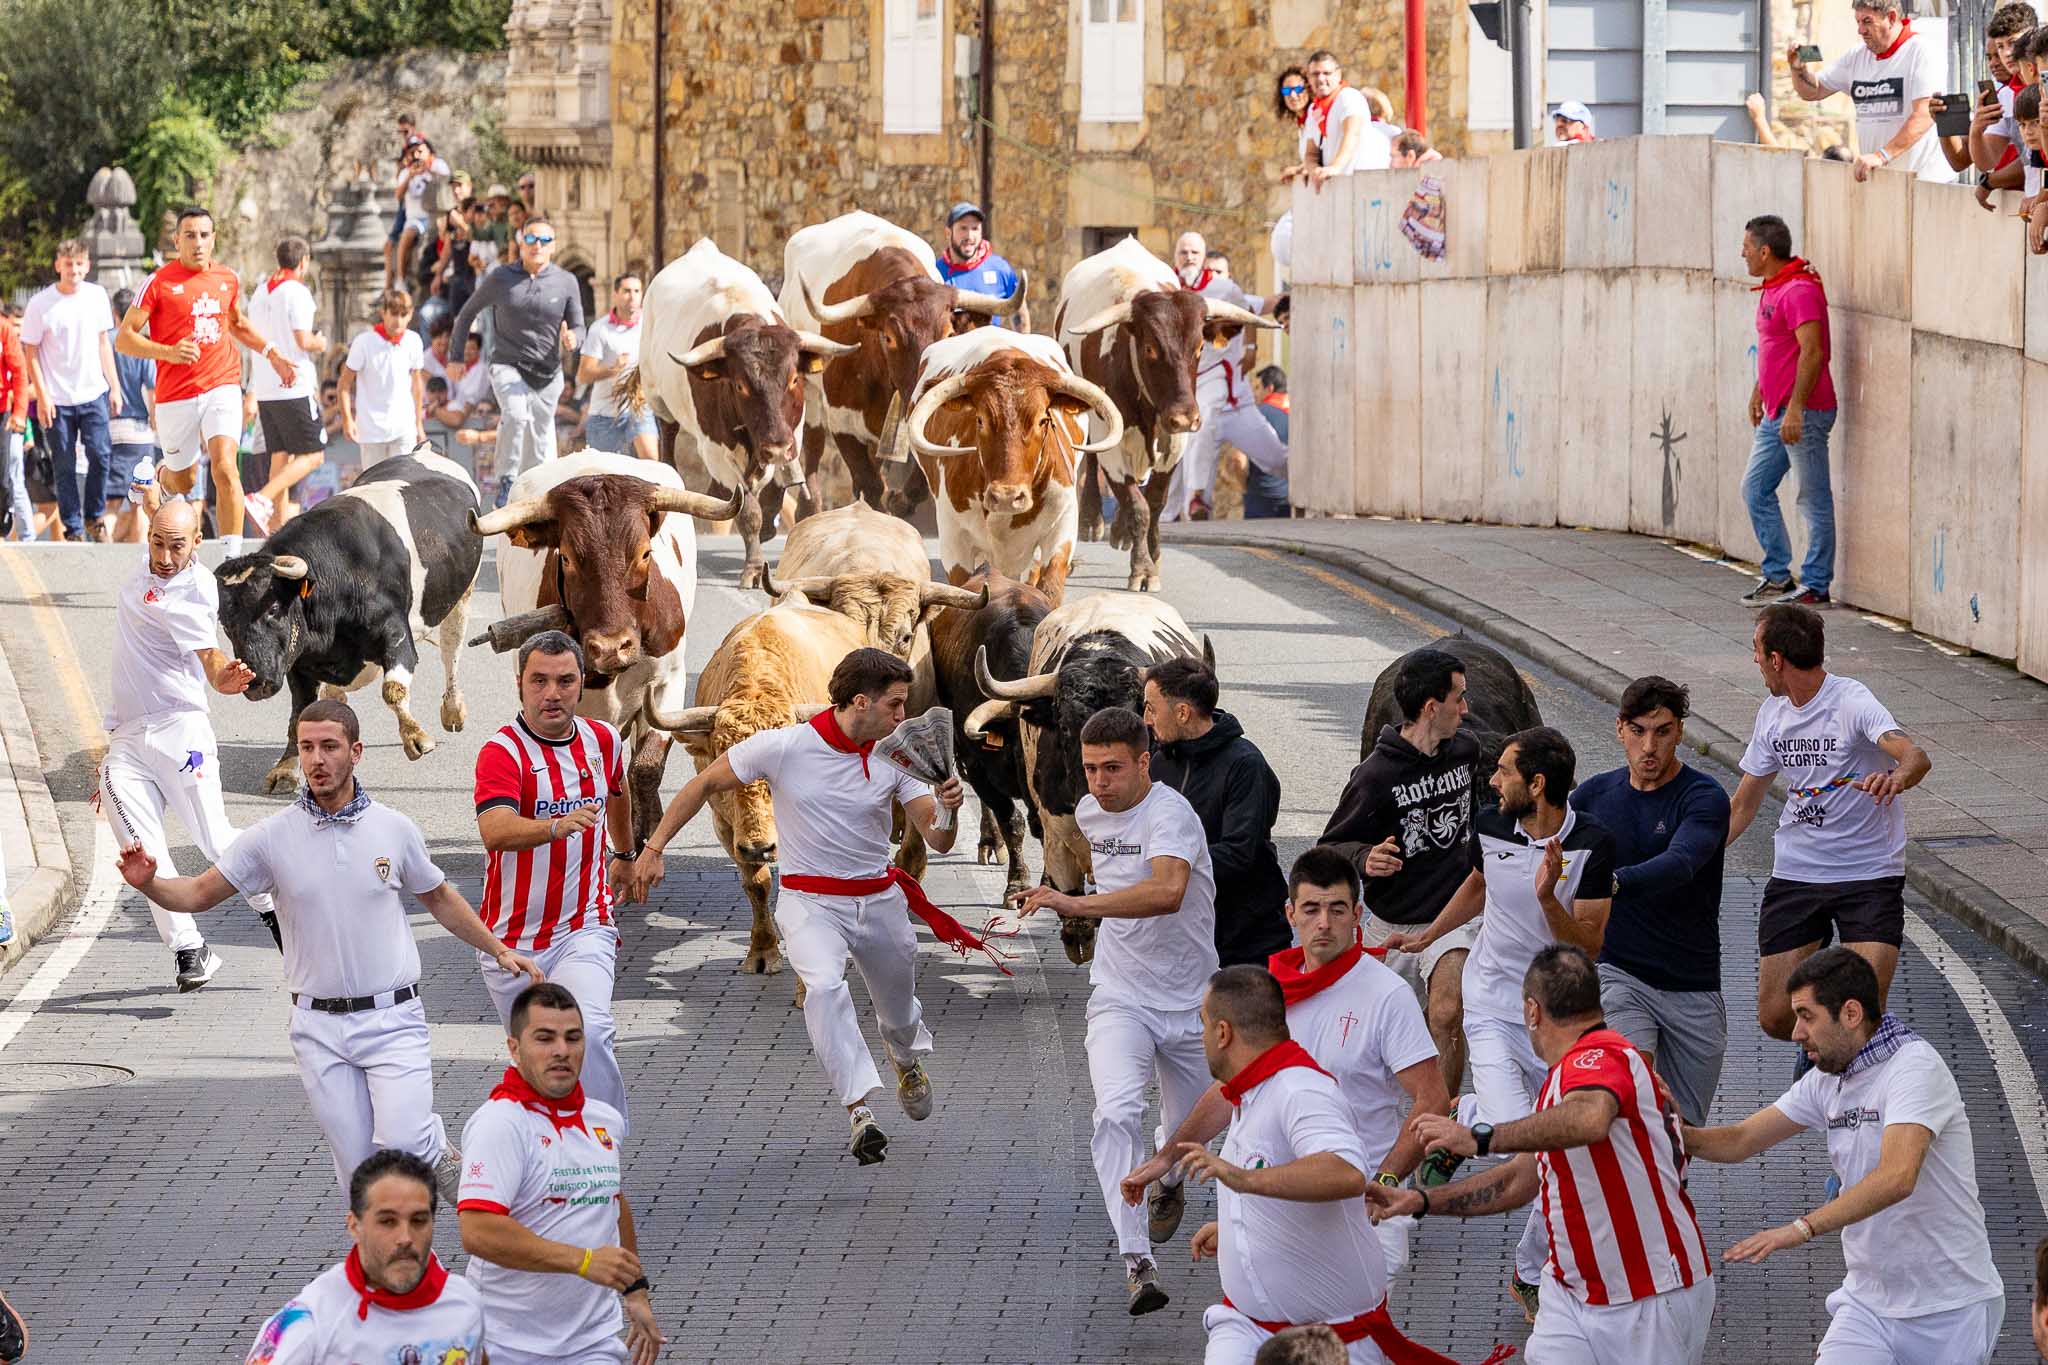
(1621, 1227)
(533, 896)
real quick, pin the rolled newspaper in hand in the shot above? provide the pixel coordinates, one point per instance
(923, 747)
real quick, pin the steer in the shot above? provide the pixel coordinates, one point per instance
(870, 567)
(1498, 699)
(607, 542)
(349, 587)
(1129, 327)
(1085, 656)
(724, 374)
(996, 425)
(862, 280)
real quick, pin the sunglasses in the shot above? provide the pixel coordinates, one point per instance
(535, 239)
(1294, 90)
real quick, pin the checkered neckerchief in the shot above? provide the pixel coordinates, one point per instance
(1891, 1035)
(347, 815)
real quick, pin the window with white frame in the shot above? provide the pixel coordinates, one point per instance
(1112, 61)
(913, 66)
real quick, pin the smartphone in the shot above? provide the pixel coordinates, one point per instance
(1984, 91)
(1953, 118)
(1809, 54)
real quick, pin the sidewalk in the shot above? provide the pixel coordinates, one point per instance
(1604, 607)
(37, 867)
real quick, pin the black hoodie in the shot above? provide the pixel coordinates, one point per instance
(1424, 801)
(1232, 787)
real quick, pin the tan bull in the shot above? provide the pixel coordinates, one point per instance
(871, 568)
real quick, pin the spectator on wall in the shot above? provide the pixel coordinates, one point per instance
(1792, 408)
(1573, 123)
(1892, 77)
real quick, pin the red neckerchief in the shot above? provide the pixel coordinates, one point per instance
(279, 278)
(1321, 109)
(1201, 281)
(1794, 268)
(1583, 135)
(564, 1113)
(419, 1296)
(1905, 32)
(1298, 985)
(1377, 1326)
(981, 253)
(387, 336)
(618, 321)
(1278, 400)
(1266, 1065)
(827, 726)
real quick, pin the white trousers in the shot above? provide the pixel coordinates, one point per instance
(1129, 1046)
(611, 1351)
(1670, 1329)
(1234, 1339)
(168, 763)
(1507, 1075)
(1960, 1336)
(818, 934)
(1240, 426)
(585, 964)
(370, 1079)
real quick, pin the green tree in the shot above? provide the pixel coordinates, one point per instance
(179, 148)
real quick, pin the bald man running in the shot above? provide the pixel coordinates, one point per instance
(161, 753)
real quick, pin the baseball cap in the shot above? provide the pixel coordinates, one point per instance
(964, 209)
(1574, 111)
(497, 191)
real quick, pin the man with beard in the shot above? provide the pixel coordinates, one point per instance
(1922, 1288)
(391, 1299)
(970, 262)
(1230, 413)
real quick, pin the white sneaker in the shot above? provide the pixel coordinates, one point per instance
(196, 967)
(869, 1144)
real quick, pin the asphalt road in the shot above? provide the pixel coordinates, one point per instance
(164, 1187)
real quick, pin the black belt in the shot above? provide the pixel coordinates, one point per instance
(356, 1004)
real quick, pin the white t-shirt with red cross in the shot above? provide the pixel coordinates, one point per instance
(534, 897)
(832, 814)
(1365, 1028)
(329, 1321)
(559, 1182)
(160, 625)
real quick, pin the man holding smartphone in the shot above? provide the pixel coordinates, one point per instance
(1893, 78)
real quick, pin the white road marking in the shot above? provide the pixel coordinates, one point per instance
(2009, 1059)
(101, 896)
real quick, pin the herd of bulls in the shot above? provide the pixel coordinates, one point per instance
(867, 349)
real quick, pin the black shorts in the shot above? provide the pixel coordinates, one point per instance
(1798, 913)
(291, 426)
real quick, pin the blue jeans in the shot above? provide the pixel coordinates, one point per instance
(1265, 495)
(615, 434)
(1768, 461)
(69, 427)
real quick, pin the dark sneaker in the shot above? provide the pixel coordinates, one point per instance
(1437, 1169)
(1525, 1297)
(1767, 591)
(1805, 597)
(914, 1091)
(196, 967)
(1142, 1281)
(1169, 1202)
(869, 1143)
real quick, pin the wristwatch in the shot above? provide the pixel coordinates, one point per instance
(1482, 1137)
(1389, 1179)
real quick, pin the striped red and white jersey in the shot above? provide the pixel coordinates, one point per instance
(1621, 1227)
(534, 896)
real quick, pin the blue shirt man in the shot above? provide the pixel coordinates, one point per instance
(969, 262)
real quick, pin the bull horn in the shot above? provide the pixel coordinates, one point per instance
(814, 343)
(813, 586)
(1109, 317)
(1219, 311)
(1102, 405)
(988, 305)
(847, 310)
(1024, 689)
(1208, 653)
(892, 430)
(704, 354)
(289, 566)
(987, 714)
(510, 517)
(921, 412)
(696, 504)
(691, 720)
(946, 595)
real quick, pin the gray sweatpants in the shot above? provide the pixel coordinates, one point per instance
(1685, 1031)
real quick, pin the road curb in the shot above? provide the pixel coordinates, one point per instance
(51, 889)
(2001, 923)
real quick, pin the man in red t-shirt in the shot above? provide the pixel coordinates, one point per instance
(192, 309)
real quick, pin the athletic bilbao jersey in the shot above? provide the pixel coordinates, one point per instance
(181, 302)
(533, 896)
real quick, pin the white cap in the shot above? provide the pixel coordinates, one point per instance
(1576, 112)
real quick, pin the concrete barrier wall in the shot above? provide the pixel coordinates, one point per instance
(1583, 351)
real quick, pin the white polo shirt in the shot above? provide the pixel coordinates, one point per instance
(1828, 831)
(1164, 962)
(160, 624)
(279, 312)
(328, 1322)
(338, 885)
(383, 397)
(1284, 1260)
(66, 330)
(560, 1183)
(831, 820)
(1366, 1028)
(1513, 928)
(605, 342)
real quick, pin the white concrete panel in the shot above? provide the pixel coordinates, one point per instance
(1734, 377)
(1525, 211)
(1507, 194)
(1871, 455)
(1324, 416)
(1322, 235)
(1969, 275)
(1380, 254)
(1860, 238)
(1595, 327)
(1748, 181)
(1829, 241)
(1521, 447)
(1454, 384)
(1387, 455)
(2033, 629)
(2037, 307)
(1673, 176)
(1465, 196)
(1673, 476)
(1600, 195)
(1966, 534)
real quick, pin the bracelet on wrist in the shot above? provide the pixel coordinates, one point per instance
(1423, 1212)
(1805, 1228)
(584, 1268)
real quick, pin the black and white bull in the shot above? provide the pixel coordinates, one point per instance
(1497, 697)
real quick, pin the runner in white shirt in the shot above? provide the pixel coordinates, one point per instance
(1629, 1280)
(384, 385)
(1922, 1288)
(1155, 891)
(66, 338)
(545, 1221)
(337, 861)
(1891, 78)
(1361, 1023)
(289, 413)
(610, 348)
(840, 895)
(391, 1300)
(1839, 868)
(1223, 391)
(1292, 1236)
(161, 753)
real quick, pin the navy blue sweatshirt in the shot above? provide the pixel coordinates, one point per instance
(1665, 927)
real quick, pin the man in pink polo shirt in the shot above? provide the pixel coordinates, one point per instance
(1792, 408)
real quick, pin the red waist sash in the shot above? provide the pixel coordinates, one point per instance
(1377, 1326)
(949, 930)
